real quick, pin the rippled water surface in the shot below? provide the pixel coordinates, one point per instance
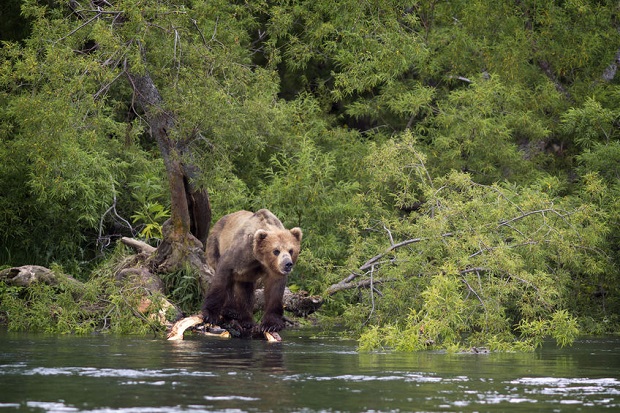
(302, 374)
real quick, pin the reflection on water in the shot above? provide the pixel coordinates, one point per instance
(301, 374)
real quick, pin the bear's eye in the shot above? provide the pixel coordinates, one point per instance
(276, 252)
(290, 252)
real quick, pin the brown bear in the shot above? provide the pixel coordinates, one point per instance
(242, 248)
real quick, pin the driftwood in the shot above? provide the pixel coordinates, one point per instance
(27, 275)
(139, 246)
(179, 328)
(301, 304)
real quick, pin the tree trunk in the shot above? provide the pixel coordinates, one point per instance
(186, 231)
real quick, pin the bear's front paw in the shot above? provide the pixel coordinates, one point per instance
(240, 326)
(271, 324)
(211, 318)
(247, 325)
(229, 314)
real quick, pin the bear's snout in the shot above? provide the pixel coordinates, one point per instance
(286, 266)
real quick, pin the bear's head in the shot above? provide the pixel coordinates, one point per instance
(277, 250)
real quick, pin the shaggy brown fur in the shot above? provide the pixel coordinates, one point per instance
(245, 247)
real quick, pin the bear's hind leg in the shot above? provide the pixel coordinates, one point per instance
(215, 300)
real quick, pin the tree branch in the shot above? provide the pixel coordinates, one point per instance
(139, 246)
(527, 214)
(368, 283)
(368, 264)
(346, 283)
(545, 66)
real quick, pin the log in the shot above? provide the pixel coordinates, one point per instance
(177, 330)
(301, 304)
(27, 275)
(139, 246)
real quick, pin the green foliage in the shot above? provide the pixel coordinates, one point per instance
(590, 124)
(561, 326)
(482, 260)
(99, 305)
(184, 289)
(303, 190)
(150, 214)
(482, 134)
(343, 48)
(474, 131)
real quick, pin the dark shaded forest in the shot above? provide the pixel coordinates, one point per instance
(454, 165)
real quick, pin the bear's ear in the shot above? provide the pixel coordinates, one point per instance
(297, 233)
(260, 235)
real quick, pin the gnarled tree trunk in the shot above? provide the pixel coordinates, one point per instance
(185, 233)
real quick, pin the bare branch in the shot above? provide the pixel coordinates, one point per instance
(372, 295)
(104, 89)
(346, 283)
(111, 209)
(139, 246)
(334, 288)
(389, 234)
(527, 214)
(474, 292)
(195, 23)
(86, 23)
(377, 257)
(461, 78)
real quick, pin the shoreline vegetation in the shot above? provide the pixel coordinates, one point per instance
(455, 165)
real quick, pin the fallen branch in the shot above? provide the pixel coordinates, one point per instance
(368, 264)
(27, 275)
(301, 304)
(139, 246)
(177, 330)
(334, 288)
(346, 283)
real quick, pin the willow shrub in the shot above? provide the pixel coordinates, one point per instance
(98, 305)
(485, 265)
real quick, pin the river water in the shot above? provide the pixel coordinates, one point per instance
(304, 373)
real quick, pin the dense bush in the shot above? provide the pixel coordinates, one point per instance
(454, 165)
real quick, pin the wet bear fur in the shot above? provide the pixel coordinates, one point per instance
(243, 248)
